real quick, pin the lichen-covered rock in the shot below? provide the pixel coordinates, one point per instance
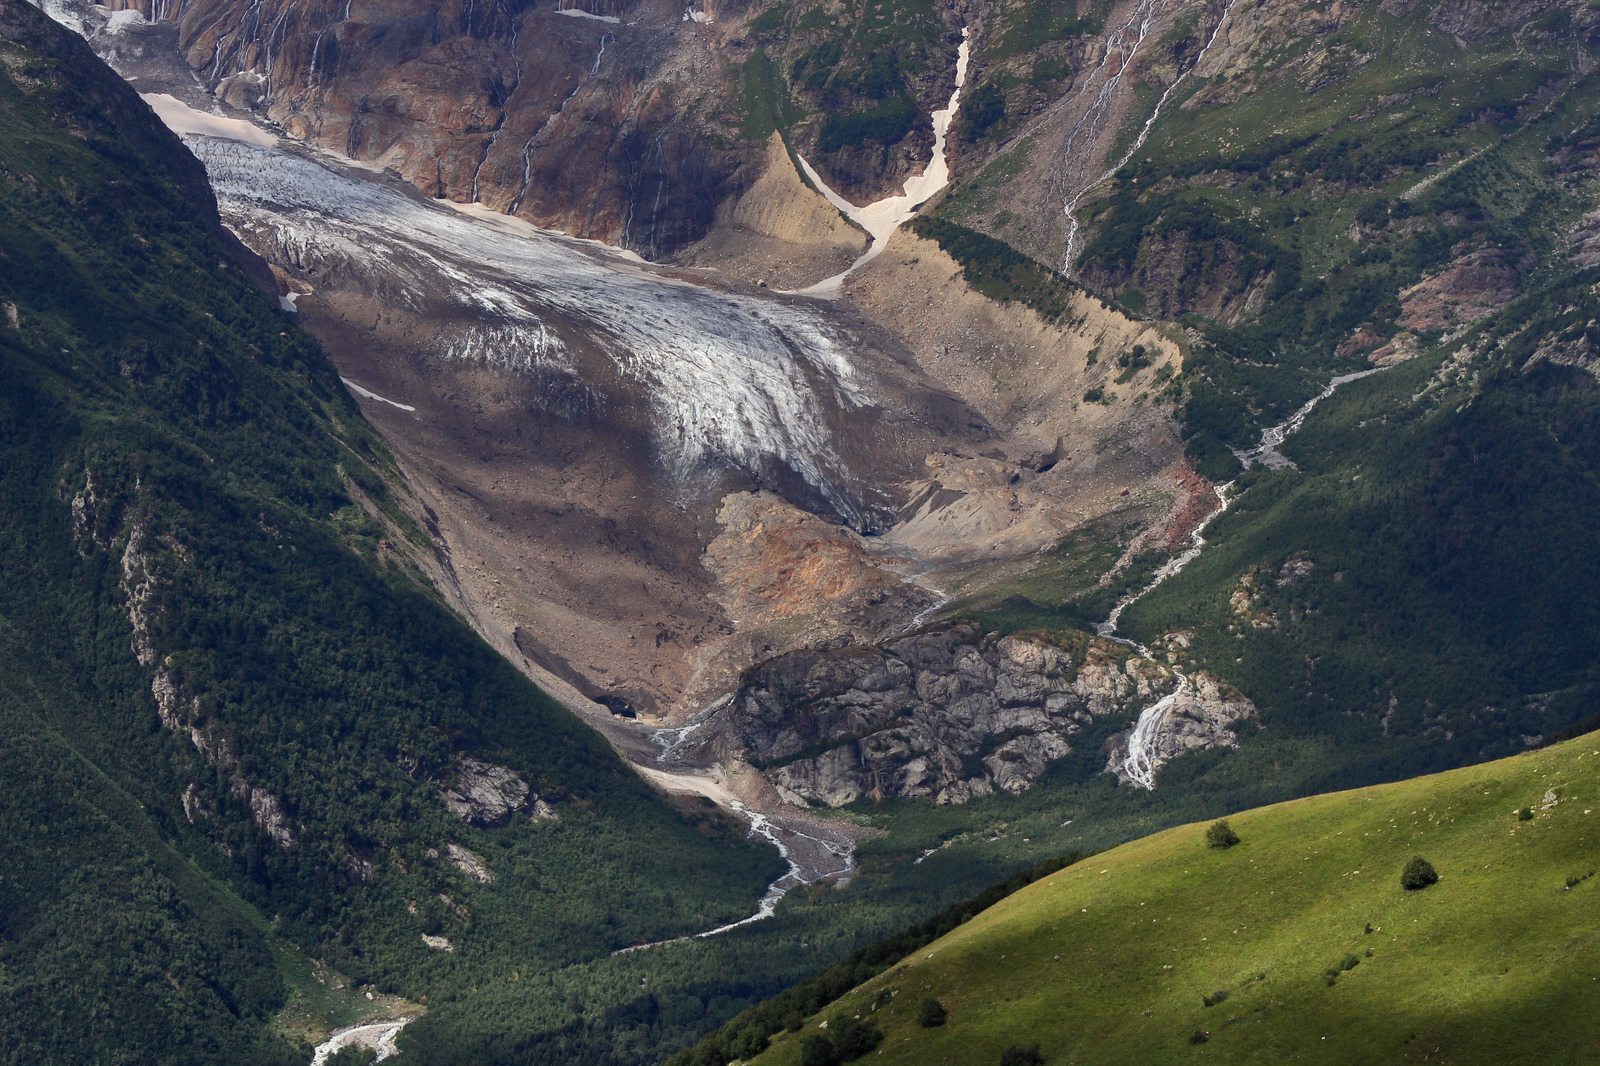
(949, 714)
(469, 863)
(265, 810)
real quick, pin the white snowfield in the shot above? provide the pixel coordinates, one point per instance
(575, 13)
(729, 378)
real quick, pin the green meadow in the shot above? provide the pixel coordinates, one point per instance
(1318, 953)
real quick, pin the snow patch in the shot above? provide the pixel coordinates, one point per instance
(881, 218)
(184, 120)
(575, 13)
(122, 20)
(287, 303)
(359, 391)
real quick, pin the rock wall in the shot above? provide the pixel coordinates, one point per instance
(947, 714)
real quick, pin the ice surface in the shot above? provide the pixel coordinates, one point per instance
(729, 379)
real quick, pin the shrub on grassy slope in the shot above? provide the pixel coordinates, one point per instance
(1419, 873)
(1221, 835)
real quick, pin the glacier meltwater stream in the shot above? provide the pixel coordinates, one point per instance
(1139, 764)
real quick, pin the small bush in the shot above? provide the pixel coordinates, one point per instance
(1200, 1036)
(1349, 962)
(1525, 814)
(853, 1039)
(352, 1055)
(1017, 1055)
(933, 1014)
(818, 1051)
(1331, 977)
(1221, 835)
(1419, 873)
(1214, 998)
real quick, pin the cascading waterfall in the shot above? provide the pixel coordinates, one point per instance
(527, 149)
(516, 58)
(1139, 763)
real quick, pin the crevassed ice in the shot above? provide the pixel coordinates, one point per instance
(729, 378)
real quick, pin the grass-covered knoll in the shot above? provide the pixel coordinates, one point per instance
(1300, 938)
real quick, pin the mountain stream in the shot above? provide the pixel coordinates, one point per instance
(1139, 763)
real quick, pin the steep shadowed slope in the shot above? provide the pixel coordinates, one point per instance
(229, 696)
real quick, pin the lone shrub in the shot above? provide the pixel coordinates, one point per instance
(933, 1014)
(1017, 1055)
(1214, 998)
(1419, 873)
(1200, 1036)
(818, 1051)
(1221, 835)
(853, 1039)
(1349, 962)
(1525, 814)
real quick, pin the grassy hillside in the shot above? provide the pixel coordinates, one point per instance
(1303, 929)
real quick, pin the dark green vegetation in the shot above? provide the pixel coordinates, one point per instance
(1297, 945)
(999, 271)
(1027, 60)
(1220, 834)
(1417, 593)
(1419, 873)
(196, 518)
(1420, 590)
(749, 1034)
(859, 74)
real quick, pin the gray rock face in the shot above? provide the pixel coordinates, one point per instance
(1200, 716)
(948, 714)
(488, 795)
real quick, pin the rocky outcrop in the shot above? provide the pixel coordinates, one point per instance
(1200, 715)
(483, 794)
(947, 714)
(265, 810)
(469, 863)
(1476, 283)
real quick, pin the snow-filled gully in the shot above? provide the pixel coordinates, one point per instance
(882, 217)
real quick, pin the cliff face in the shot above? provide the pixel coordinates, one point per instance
(624, 120)
(948, 714)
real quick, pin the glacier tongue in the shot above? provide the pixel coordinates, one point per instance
(729, 379)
